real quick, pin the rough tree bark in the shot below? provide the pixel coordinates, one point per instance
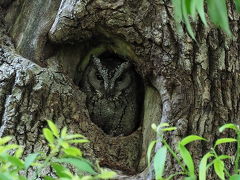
(193, 86)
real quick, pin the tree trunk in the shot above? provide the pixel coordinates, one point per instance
(44, 49)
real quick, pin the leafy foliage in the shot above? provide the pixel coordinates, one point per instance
(186, 11)
(188, 170)
(62, 154)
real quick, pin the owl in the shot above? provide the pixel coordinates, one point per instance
(113, 93)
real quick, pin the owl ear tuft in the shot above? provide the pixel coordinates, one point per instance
(125, 65)
(96, 61)
(93, 57)
(125, 58)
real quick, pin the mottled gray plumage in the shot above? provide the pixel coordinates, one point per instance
(112, 95)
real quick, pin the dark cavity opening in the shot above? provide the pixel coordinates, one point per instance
(114, 93)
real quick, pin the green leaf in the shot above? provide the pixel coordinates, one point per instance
(154, 126)
(219, 168)
(78, 141)
(237, 4)
(222, 157)
(163, 125)
(200, 10)
(64, 144)
(224, 140)
(203, 166)
(149, 151)
(30, 159)
(80, 164)
(53, 128)
(48, 178)
(191, 7)
(228, 126)
(171, 176)
(169, 129)
(86, 178)
(217, 11)
(73, 151)
(5, 176)
(74, 136)
(186, 20)
(190, 178)
(188, 5)
(8, 147)
(18, 152)
(16, 162)
(177, 11)
(22, 178)
(4, 140)
(48, 135)
(64, 132)
(159, 162)
(4, 156)
(106, 174)
(190, 138)
(61, 171)
(235, 177)
(187, 158)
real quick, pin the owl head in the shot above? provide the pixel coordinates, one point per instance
(109, 76)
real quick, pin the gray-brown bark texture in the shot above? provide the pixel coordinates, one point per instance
(45, 45)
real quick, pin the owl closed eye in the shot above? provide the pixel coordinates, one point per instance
(123, 81)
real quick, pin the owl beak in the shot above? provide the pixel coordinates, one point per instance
(108, 93)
